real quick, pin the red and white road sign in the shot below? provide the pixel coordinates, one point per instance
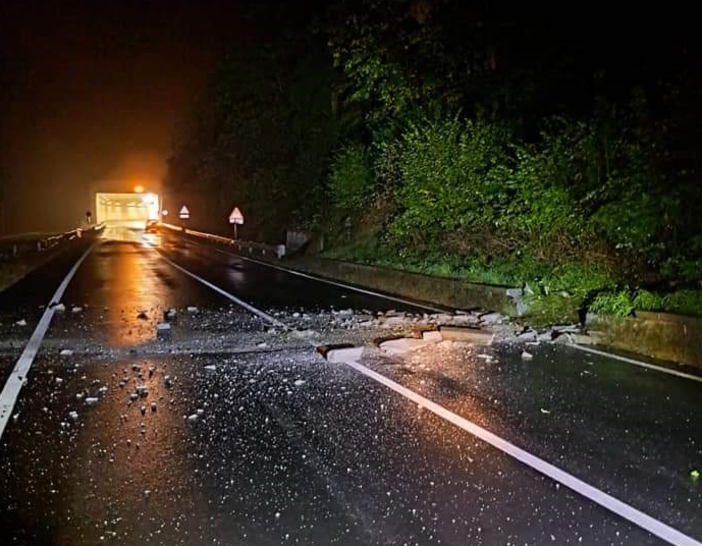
(236, 217)
(184, 213)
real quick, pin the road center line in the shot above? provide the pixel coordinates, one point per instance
(265, 316)
(18, 376)
(622, 509)
(639, 363)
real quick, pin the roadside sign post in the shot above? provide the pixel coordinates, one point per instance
(236, 218)
(184, 215)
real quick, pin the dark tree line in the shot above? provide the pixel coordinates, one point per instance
(522, 139)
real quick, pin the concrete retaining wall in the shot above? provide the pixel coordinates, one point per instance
(675, 338)
(450, 293)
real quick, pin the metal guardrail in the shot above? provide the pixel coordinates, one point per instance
(11, 248)
(249, 247)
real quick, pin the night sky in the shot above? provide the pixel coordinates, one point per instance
(92, 94)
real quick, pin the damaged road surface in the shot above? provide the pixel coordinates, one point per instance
(161, 410)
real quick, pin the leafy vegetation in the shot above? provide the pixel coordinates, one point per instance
(436, 137)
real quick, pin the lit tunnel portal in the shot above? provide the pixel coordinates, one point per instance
(130, 210)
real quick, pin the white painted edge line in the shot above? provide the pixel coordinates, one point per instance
(238, 301)
(626, 511)
(18, 376)
(640, 363)
(620, 508)
(327, 281)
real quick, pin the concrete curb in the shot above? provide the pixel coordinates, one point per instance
(664, 336)
(450, 293)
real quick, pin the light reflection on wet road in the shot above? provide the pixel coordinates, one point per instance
(276, 446)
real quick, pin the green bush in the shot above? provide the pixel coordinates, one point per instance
(618, 303)
(626, 301)
(453, 175)
(582, 210)
(351, 180)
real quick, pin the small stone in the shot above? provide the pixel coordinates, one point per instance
(210, 367)
(66, 352)
(299, 382)
(73, 415)
(192, 310)
(304, 334)
(527, 355)
(77, 309)
(59, 308)
(193, 417)
(432, 336)
(91, 400)
(492, 318)
(21, 322)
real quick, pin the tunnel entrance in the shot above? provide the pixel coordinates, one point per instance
(131, 210)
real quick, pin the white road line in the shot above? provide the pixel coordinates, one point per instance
(265, 316)
(639, 363)
(18, 376)
(327, 281)
(620, 508)
(626, 511)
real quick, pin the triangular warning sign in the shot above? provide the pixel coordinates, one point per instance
(236, 217)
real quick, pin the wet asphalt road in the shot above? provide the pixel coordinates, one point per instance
(247, 436)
